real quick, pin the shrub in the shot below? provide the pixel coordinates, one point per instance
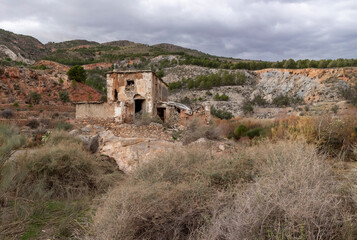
(16, 104)
(221, 114)
(255, 132)
(64, 126)
(247, 107)
(77, 73)
(170, 197)
(197, 130)
(64, 96)
(259, 100)
(284, 100)
(33, 123)
(7, 113)
(334, 109)
(144, 118)
(295, 197)
(160, 73)
(240, 131)
(10, 139)
(59, 169)
(35, 97)
(222, 97)
(281, 100)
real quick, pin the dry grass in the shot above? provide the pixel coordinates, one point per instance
(295, 197)
(171, 197)
(332, 135)
(51, 187)
(196, 130)
(282, 190)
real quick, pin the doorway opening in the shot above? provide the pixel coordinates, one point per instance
(161, 113)
(115, 95)
(139, 105)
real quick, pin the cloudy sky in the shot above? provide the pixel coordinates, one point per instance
(249, 29)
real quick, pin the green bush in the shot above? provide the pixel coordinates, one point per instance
(247, 107)
(281, 100)
(240, 131)
(16, 104)
(284, 100)
(255, 132)
(259, 101)
(222, 97)
(64, 96)
(222, 114)
(64, 126)
(77, 73)
(35, 97)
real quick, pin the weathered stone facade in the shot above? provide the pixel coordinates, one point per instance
(128, 93)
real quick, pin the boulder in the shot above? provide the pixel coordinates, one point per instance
(130, 152)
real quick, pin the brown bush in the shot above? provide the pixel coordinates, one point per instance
(171, 197)
(294, 197)
(59, 169)
(197, 130)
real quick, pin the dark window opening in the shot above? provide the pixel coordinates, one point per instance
(129, 85)
(161, 113)
(115, 95)
(139, 105)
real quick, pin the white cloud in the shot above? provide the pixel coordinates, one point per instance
(255, 29)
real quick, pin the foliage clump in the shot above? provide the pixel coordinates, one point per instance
(77, 73)
(221, 114)
(35, 97)
(64, 96)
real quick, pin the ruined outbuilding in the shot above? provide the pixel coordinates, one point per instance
(130, 93)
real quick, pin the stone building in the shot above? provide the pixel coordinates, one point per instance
(129, 93)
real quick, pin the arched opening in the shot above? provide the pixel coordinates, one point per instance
(139, 105)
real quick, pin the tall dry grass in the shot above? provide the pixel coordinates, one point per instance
(172, 197)
(295, 196)
(281, 190)
(51, 187)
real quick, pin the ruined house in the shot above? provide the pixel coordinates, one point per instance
(130, 93)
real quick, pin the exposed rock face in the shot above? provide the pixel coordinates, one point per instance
(130, 152)
(312, 85)
(13, 56)
(17, 83)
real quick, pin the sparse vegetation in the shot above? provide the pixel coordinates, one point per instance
(64, 96)
(64, 126)
(247, 107)
(221, 114)
(52, 186)
(35, 97)
(197, 130)
(33, 123)
(284, 100)
(7, 113)
(193, 195)
(223, 78)
(222, 97)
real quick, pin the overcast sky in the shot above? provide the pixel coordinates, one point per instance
(249, 29)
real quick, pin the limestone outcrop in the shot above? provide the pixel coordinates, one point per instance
(130, 152)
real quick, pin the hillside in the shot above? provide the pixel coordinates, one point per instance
(20, 48)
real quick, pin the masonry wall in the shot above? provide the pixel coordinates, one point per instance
(87, 110)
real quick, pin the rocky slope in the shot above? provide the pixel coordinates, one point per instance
(20, 48)
(314, 86)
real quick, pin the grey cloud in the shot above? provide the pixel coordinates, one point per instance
(253, 29)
